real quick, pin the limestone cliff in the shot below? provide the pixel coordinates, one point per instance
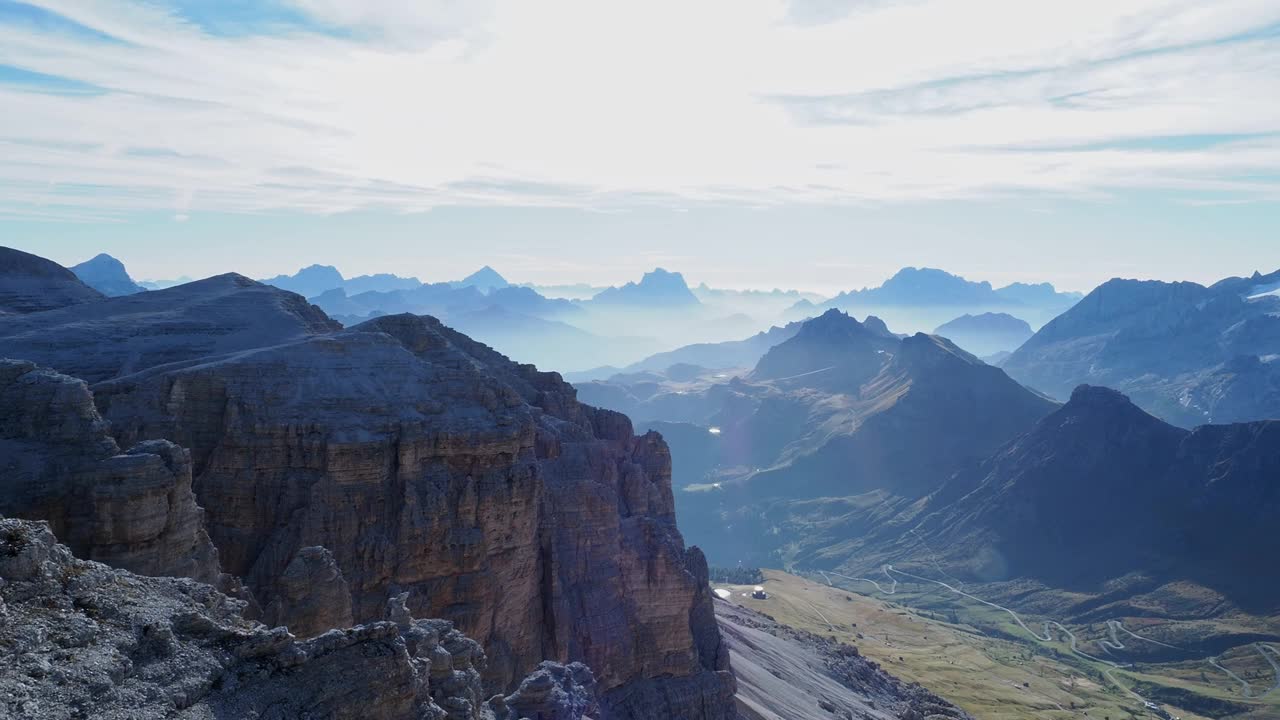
(79, 639)
(58, 463)
(428, 464)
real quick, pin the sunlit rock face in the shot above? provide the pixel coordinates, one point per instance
(339, 468)
(426, 463)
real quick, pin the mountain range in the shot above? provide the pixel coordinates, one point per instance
(841, 409)
(1187, 353)
(341, 465)
(924, 286)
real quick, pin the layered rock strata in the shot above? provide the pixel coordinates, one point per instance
(131, 509)
(426, 463)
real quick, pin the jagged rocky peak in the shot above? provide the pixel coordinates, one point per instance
(220, 314)
(877, 326)
(107, 275)
(30, 284)
(80, 635)
(133, 509)
(833, 341)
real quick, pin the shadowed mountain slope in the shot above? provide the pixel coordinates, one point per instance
(1099, 490)
(1187, 353)
(30, 283)
(122, 335)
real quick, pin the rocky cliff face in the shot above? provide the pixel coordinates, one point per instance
(425, 463)
(29, 283)
(79, 639)
(133, 509)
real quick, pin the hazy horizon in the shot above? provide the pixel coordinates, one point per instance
(824, 250)
(809, 144)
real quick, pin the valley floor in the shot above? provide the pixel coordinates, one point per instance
(982, 658)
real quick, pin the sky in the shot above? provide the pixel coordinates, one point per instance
(816, 144)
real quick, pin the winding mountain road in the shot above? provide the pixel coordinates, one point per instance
(1047, 636)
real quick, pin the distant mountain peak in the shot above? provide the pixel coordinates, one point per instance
(1102, 409)
(832, 325)
(877, 326)
(1098, 396)
(658, 287)
(934, 287)
(309, 281)
(484, 279)
(934, 349)
(107, 275)
(833, 340)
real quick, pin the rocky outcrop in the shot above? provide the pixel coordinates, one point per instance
(122, 335)
(79, 639)
(106, 275)
(59, 463)
(312, 596)
(29, 283)
(426, 463)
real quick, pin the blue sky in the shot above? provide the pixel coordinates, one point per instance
(754, 143)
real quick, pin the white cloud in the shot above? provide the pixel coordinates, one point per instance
(603, 104)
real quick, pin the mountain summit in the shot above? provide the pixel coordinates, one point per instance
(486, 280)
(659, 288)
(310, 281)
(832, 342)
(106, 275)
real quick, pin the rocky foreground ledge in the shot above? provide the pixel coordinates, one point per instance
(79, 639)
